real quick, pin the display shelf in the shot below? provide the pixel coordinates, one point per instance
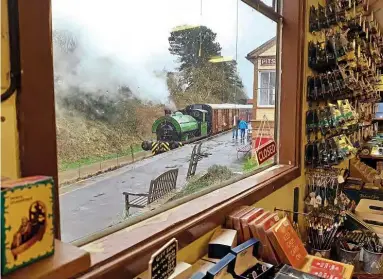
(375, 157)
(67, 262)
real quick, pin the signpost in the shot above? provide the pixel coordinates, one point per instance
(268, 61)
(163, 262)
(266, 151)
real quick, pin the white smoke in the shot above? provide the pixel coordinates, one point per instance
(171, 105)
(125, 42)
(83, 65)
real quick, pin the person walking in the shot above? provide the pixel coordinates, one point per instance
(235, 127)
(243, 126)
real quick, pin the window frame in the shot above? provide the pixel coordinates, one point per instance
(129, 248)
(260, 88)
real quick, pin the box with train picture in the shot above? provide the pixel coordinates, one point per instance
(27, 230)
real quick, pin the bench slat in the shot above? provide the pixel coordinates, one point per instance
(159, 187)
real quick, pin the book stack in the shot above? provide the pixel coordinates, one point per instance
(279, 241)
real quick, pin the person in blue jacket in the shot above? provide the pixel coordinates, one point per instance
(243, 128)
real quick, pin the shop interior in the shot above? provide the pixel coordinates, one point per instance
(317, 212)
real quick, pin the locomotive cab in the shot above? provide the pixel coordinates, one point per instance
(200, 116)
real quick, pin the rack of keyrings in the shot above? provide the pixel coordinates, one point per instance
(344, 59)
(345, 50)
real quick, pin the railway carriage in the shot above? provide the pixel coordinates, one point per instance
(195, 122)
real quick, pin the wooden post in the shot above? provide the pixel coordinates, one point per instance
(132, 151)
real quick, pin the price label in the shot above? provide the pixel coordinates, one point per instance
(163, 262)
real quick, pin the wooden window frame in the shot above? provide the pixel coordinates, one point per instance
(126, 252)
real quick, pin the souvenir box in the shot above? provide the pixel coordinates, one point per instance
(290, 272)
(229, 223)
(246, 219)
(221, 269)
(246, 265)
(221, 243)
(27, 230)
(201, 267)
(182, 271)
(287, 243)
(355, 195)
(198, 275)
(237, 222)
(266, 250)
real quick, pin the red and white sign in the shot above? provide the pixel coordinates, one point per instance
(266, 151)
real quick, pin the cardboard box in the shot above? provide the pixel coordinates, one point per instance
(221, 243)
(198, 275)
(348, 269)
(245, 219)
(286, 242)
(182, 271)
(324, 273)
(237, 223)
(229, 218)
(220, 269)
(253, 223)
(212, 260)
(290, 272)
(27, 228)
(330, 267)
(266, 251)
(246, 263)
(202, 266)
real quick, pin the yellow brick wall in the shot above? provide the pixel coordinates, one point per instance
(9, 136)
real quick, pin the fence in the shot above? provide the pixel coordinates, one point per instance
(85, 170)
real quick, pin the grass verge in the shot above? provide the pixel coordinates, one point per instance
(96, 159)
(215, 174)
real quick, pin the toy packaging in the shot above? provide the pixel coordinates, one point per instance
(27, 230)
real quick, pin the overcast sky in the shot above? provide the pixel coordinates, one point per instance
(136, 31)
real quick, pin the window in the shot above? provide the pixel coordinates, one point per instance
(266, 88)
(100, 129)
(131, 108)
(86, 207)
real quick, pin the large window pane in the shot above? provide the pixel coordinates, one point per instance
(267, 88)
(139, 84)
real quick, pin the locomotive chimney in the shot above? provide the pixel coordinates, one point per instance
(167, 111)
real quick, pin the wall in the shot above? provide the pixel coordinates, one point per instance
(269, 112)
(259, 112)
(9, 138)
(270, 52)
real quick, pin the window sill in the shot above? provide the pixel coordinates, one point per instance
(186, 222)
(266, 106)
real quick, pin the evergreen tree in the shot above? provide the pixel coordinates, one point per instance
(194, 47)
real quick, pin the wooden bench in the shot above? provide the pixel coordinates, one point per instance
(159, 187)
(246, 149)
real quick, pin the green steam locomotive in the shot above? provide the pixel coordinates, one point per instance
(195, 122)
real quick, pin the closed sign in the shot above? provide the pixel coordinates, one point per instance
(266, 151)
